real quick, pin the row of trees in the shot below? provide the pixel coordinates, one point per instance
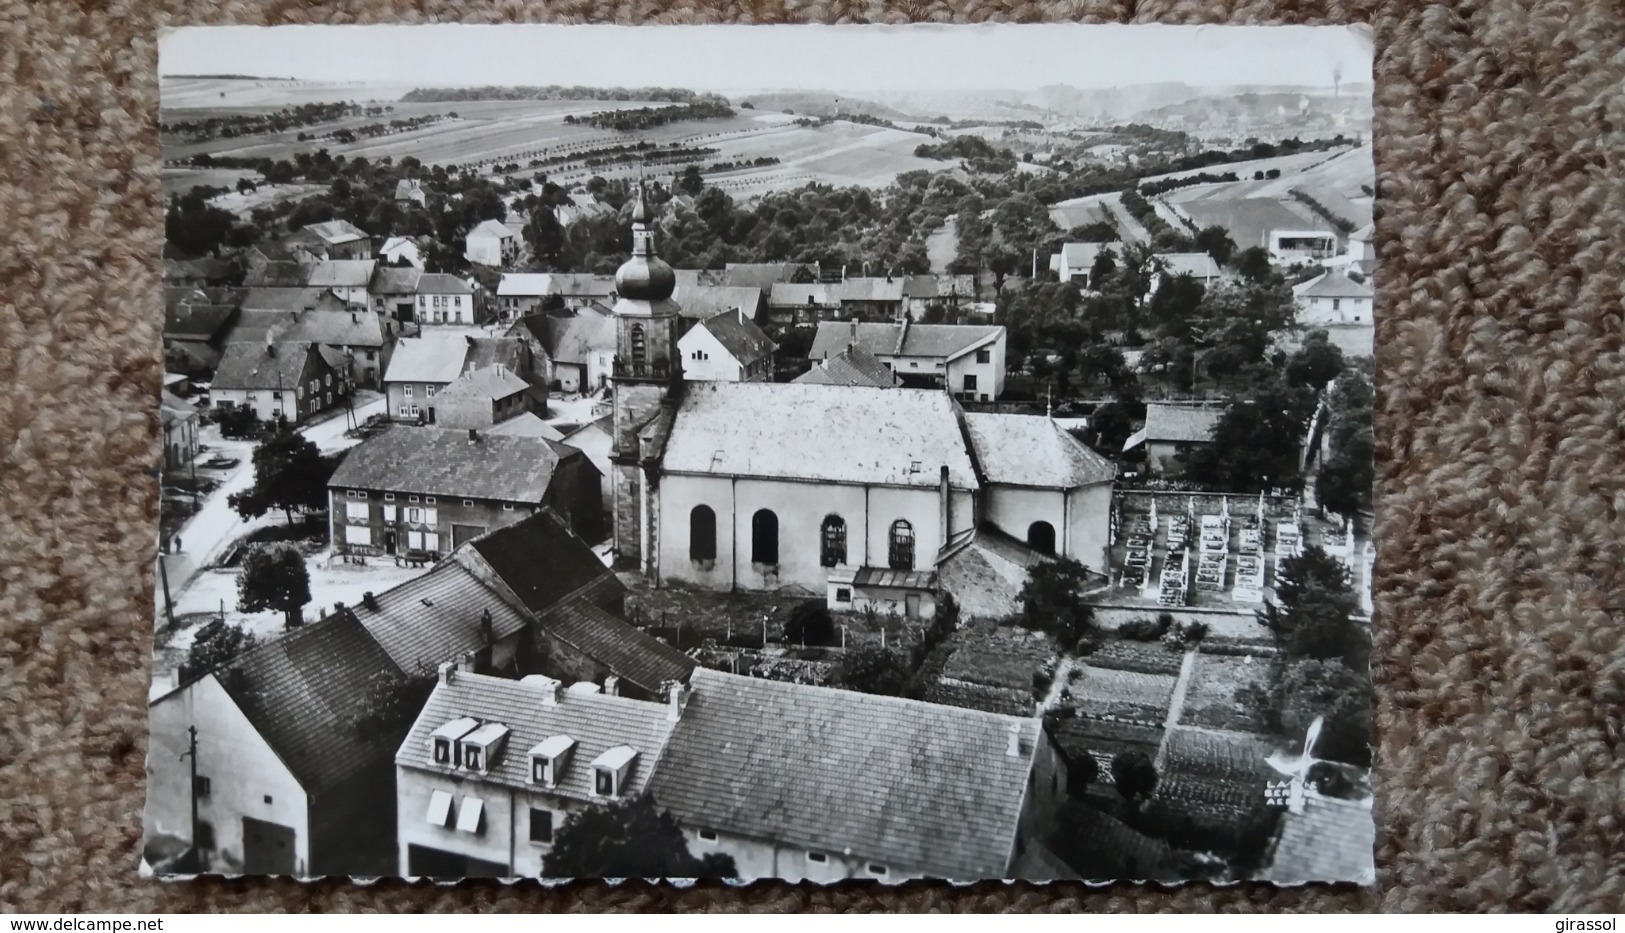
(548, 92)
(647, 118)
(253, 124)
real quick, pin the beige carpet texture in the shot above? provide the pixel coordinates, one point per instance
(1500, 148)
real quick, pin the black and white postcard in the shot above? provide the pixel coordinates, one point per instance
(797, 452)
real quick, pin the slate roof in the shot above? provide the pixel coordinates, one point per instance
(441, 283)
(291, 299)
(437, 359)
(444, 462)
(342, 273)
(490, 228)
(299, 691)
(1032, 450)
(334, 328)
(1331, 840)
(207, 269)
(394, 280)
(783, 430)
(278, 273)
(939, 286)
(186, 321)
(524, 284)
(986, 573)
(1335, 284)
(1200, 265)
(740, 336)
(598, 722)
(1100, 847)
(853, 366)
(796, 295)
(575, 339)
(527, 424)
(582, 284)
(930, 341)
(1180, 423)
(633, 655)
(172, 409)
(872, 288)
(246, 365)
(759, 274)
(910, 785)
(336, 231)
(490, 382)
(1081, 256)
(542, 562)
(704, 301)
(436, 617)
(406, 187)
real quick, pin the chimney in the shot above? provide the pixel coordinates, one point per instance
(369, 600)
(1013, 747)
(946, 504)
(676, 699)
(612, 685)
(448, 672)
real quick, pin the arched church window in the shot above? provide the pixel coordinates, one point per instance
(902, 546)
(1041, 537)
(834, 541)
(764, 538)
(702, 533)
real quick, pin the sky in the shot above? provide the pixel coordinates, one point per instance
(744, 58)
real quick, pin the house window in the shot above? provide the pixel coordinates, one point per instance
(200, 787)
(834, 541)
(817, 857)
(361, 495)
(370, 355)
(702, 533)
(428, 391)
(389, 497)
(764, 537)
(1337, 304)
(428, 500)
(276, 396)
(507, 506)
(468, 503)
(843, 594)
(902, 546)
(267, 798)
(709, 835)
(877, 870)
(970, 383)
(205, 834)
(541, 825)
(408, 391)
(411, 498)
(984, 356)
(349, 493)
(604, 782)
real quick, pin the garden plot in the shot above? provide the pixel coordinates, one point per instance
(1212, 774)
(1144, 657)
(1210, 698)
(1103, 692)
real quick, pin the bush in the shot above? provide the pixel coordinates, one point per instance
(1087, 645)
(1141, 630)
(1041, 683)
(810, 624)
(1134, 775)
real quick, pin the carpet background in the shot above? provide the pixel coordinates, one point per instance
(1499, 138)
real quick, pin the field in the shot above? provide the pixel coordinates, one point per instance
(236, 93)
(1249, 209)
(1099, 686)
(1001, 658)
(1210, 699)
(180, 181)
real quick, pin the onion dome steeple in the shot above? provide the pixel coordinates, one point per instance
(644, 277)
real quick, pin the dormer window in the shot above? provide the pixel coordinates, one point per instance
(444, 748)
(481, 747)
(612, 771)
(550, 759)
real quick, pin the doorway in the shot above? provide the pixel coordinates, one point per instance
(268, 848)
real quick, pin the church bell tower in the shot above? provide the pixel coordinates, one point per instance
(647, 371)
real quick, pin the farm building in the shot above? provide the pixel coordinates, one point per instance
(1170, 432)
(446, 299)
(492, 243)
(727, 347)
(966, 360)
(331, 240)
(1334, 298)
(289, 379)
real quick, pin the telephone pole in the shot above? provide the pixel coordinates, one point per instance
(169, 604)
(191, 753)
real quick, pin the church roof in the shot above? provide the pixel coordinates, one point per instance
(1032, 450)
(900, 437)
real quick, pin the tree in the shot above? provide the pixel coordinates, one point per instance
(1349, 470)
(628, 839)
(389, 703)
(1216, 242)
(274, 577)
(1080, 774)
(216, 645)
(1052, 600)
(546, 237)
(289, 473)
(1313, 617)
(810, 624)
(1134, 775)
(1253, 263)
(690, 182)
(1317, 362)
(1255, 441)
(881, 671)
(1331, 689)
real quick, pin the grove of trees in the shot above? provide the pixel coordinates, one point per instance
(629, 839)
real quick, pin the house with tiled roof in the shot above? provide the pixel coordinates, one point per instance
(332, 239)
(522, 293)
(431, 489)
(727, 347)
(487, 397)
(810, 783)
(207, 272)
(582, 348)
(346, 278)
(198, 323)
(446, 299)
(1333, 298)
(358, 334)
(527, 424)
(1171, 431)
(491, 243)
(177, 419)
(1199, 266)
(967, 360)
(1323, 839)
(287, 379)
(420, 368)
(410, 191)
(292, 774)
(1075, 262)
(394, 292)
(765, 275)
(700, 301)
(854, 366)
(492, 768)
(945, 293)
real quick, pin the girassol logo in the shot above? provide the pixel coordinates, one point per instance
(1573, 926)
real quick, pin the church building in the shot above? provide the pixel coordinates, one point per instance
(769, 486)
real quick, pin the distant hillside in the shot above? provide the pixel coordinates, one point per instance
(820, 104)
(226, 77)
(1258, 105)
(674, 95)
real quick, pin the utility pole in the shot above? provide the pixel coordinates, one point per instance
(191, 753)
(169, 604)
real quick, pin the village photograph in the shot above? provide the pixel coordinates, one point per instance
(612, 452)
